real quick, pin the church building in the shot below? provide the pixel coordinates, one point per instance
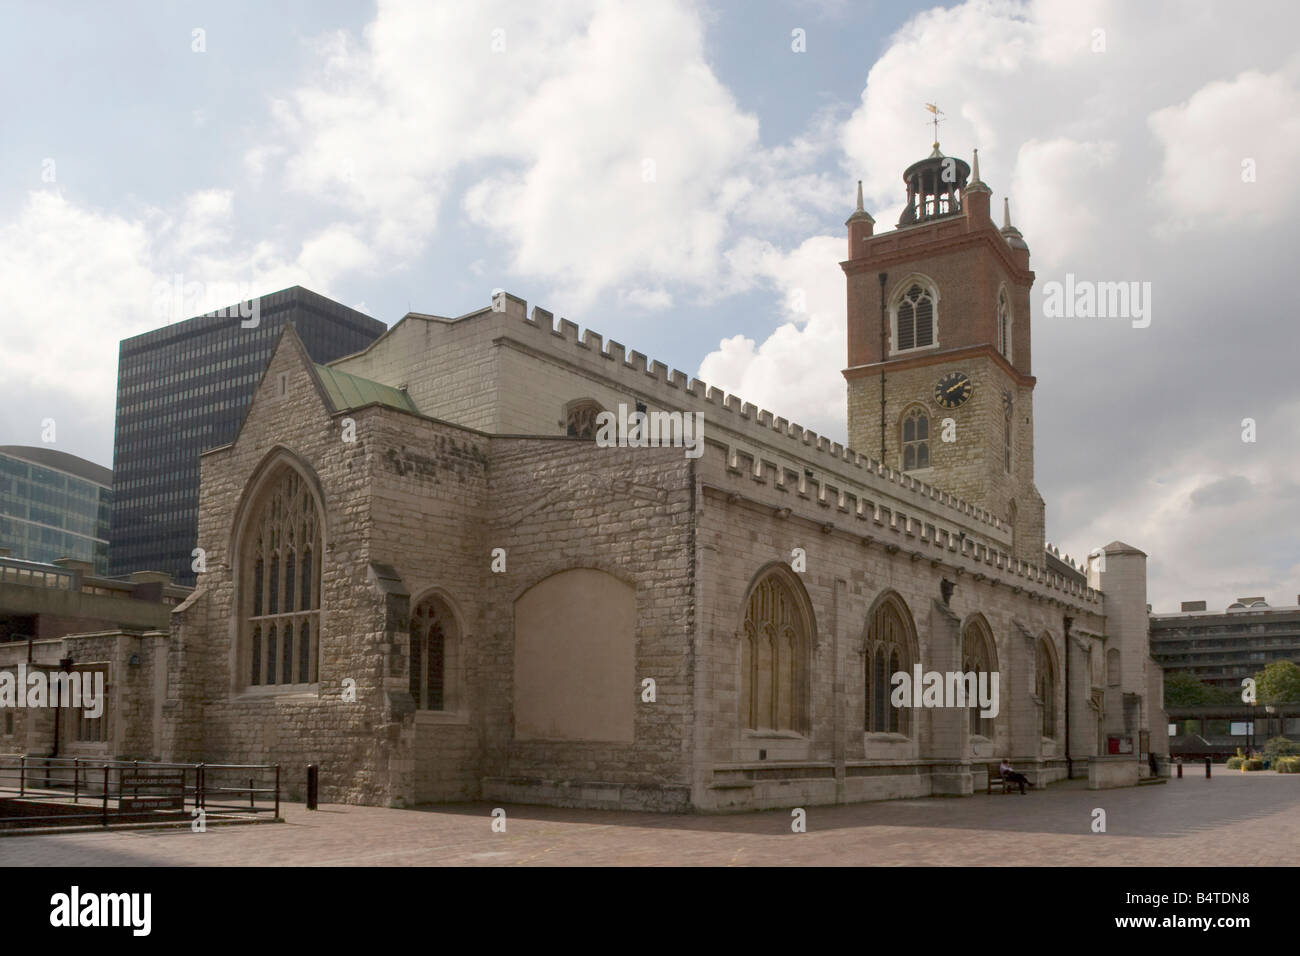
(424, 572)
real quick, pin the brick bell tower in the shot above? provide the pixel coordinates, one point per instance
(939, 379)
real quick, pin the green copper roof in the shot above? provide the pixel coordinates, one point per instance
(351, 391)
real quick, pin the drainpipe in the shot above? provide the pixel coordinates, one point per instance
(883, 277)
(65, 665)
(1069, 764)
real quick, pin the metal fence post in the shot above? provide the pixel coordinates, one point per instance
(22, 775)
(105, 804)
(76, 779)
(313, 785)
(1207, 768)
(277, 791)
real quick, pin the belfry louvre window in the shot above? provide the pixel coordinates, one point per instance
(916, 440)
(915, 320)
(283, 585)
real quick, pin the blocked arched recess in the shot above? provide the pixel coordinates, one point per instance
(979, 653)
(261, 481)
(575, 658)
(1048, 687)
(778, 632)
(889, 645)
(451, 697)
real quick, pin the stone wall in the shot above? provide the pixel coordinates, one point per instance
(566, 503)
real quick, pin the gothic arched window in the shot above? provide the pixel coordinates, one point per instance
(914, 319)
(280, 565)
(435, 655)
(1045, 687)
(774, 656)
(580, 418)
(916, 439)
(888, 645)
(1004, 324)
(979, 656)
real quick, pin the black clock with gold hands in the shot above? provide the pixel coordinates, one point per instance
(953, 390)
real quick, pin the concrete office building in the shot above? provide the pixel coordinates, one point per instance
(184, 388)
(1222, 647)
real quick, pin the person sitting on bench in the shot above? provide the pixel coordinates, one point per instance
(1011, 776)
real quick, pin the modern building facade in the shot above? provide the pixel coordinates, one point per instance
(1222, 647)
(185, 388)
(60, 616)
(54, 505)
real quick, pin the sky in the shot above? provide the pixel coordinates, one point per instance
(676, 176)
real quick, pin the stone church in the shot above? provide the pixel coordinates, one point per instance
(424, 574)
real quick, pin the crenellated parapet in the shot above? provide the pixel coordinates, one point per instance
(757, 436)
(857, 510)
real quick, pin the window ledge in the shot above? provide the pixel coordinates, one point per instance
(443, 717)
(920, 348)
(773, 735)
(880, 736)
(277, 691)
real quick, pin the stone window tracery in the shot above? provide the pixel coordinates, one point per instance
(580, 419)
(978, 656)
(282, 580)
(915, 439)
(887, 652)
(774, 653)
(435, 649)
(1045, 687)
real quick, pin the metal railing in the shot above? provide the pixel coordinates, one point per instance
(125, 791)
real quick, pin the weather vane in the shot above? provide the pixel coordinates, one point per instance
(933, 108)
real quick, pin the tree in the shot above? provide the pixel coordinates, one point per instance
(1278, 683)
(1184, 690)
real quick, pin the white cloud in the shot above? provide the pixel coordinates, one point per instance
(598, 146)
(1231, 151)
(794, 373)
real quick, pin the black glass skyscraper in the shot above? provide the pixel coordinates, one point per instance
(183, 389)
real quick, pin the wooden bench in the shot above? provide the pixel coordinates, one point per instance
(997, 781)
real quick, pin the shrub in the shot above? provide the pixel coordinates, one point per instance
(1254, 763)
(1234, 763)
(1281, 747)
(1287, 765)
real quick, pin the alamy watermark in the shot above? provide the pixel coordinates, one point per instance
(946, 689)
(41, 688)
(177, 300)
(1084, 299)
(651, 430)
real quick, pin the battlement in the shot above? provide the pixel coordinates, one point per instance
(754, 428)
(860, 512)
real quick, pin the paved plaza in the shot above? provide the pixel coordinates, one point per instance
(1234, 819)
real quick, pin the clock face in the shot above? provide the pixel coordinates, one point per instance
(953, 390)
